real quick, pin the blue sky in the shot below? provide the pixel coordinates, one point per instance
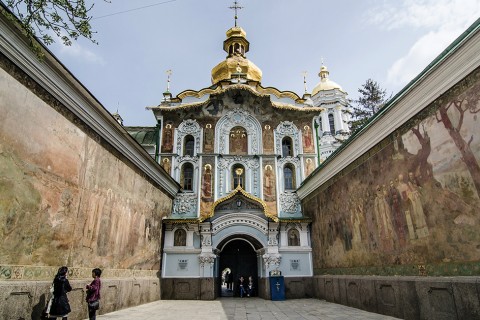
(390, 41)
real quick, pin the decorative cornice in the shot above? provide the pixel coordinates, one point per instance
(449, 68)
(247, 195)
(54, 77)
(258, 91)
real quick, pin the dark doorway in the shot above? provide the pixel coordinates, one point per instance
(240, 257)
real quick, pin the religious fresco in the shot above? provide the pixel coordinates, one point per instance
(267, 137)
(208, 137)
(307, 137)
(269, 185)
(413, 199)
(208, 185)
(167, 143)
(65, 199)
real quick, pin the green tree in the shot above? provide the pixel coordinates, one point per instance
(68, 20)
(371, 100)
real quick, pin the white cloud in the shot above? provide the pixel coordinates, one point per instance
(442, 20)
(78, 51)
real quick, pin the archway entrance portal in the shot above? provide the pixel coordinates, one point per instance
(240, 257)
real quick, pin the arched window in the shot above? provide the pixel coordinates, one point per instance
(189, 146)
(238, 176)
(180, 238)
(331, 121)
(287, 147)
(238, 141)
(289, 177)
(187, 177)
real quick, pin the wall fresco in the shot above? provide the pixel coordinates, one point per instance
(64, 198)
(411, 200)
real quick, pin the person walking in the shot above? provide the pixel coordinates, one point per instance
(60, 306)
(93, 294)
(228, 280)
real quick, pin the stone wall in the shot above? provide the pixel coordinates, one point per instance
(75, 190)
(404, 297)
(395, 211)
(409, 205)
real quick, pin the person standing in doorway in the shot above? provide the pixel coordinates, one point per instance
(93, 294)
(60, 305)
(250, 287)
(228, 280)
(242, 287)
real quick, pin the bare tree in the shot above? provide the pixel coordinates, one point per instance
(468, 104)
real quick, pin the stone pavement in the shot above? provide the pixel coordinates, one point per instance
(242, 309)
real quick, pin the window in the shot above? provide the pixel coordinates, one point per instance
(187, 177)
(287, 149)
(238, 176)
(189, 146)
(289, 177)
(331, 121)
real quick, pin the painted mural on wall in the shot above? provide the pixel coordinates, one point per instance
(416, 199)
(208, 185)
(269, 185)
(65, 199)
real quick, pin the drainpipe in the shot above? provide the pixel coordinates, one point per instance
(317, 138)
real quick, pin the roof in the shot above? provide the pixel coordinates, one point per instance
(143, 135)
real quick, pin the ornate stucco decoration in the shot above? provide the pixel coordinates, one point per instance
(287, 129)
(282, 161)
(188, 127)
(231, 219)
(240, 190)
(289, 202)
(272, 260)
(206, 258)
(185, 204)
(238, 117)
(249, 162)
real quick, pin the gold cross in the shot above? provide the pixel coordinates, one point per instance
(235, 7)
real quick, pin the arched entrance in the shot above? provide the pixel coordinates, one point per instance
(239, 254)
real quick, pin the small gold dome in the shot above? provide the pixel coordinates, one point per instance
(325, 83)
(225, 69)
(236, 45)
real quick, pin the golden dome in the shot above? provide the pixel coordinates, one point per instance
(236, 45)
(325, 83)
(225, 69)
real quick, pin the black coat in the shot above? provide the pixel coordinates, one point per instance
(60, 305)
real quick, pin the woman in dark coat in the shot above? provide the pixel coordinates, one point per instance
(93, 294)
(60, 306)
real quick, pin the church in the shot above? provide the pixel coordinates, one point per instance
(239, 151)
(243, 179)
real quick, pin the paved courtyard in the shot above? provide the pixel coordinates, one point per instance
(242, 309)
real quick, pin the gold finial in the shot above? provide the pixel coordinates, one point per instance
(304, 73)
(235, 7)
(169, 73)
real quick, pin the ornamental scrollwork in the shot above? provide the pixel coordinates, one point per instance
(290, 202)
(206, 258)
(238, 117)
(185, 203)
(188, 127)
(287, 129)
(282, 161)
(272, 260)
